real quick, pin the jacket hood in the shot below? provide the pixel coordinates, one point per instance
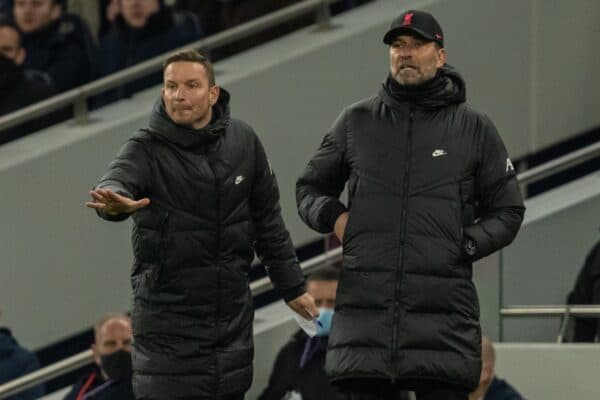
(163, 127)
(8, 344)
(446, 88)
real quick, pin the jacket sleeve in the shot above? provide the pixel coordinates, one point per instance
(319, 187)
(128, 174)
(499, 204)
(273, 243)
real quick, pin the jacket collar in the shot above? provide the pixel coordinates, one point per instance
(446, 88)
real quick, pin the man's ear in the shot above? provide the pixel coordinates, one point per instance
(96, 353)
(441, 57)
(215, 91)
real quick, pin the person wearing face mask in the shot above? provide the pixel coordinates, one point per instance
(111, 380)
(431, 189)
(298, 369)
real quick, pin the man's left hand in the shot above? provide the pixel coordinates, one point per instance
(305, 306)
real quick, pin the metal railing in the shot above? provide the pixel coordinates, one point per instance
(564, 311)
(78, 96)
(79, 360)
(559, 164)
(531, 176)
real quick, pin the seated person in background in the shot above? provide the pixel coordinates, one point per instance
(491, 387)
(298, 371)
(59, 44)
(19, 87)
(112, 353)
(142, 30)
(15, 361)
(587, 291)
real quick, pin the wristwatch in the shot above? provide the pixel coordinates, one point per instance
(470, 247)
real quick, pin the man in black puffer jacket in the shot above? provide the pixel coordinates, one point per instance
(203, 198)
(430, 190)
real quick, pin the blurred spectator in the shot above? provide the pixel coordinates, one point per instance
(491, 387)
(15, 361)
(112, 353)
(19, 88)
(587, 291)
(108, 10)
(142, 30)
(298, 368)
(298, 372)
(56, 43)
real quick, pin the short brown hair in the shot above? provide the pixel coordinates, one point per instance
(193, 56)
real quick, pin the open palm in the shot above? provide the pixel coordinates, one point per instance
(112, 203)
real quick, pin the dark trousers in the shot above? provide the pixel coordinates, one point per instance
(374, 389)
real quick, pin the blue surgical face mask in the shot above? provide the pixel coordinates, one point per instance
(324, 321)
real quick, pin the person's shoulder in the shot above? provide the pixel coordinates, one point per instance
(241, 130)
(470, 112)
(362, 105)
(112, 390)
(473, 120)
(68, 29)
(13, 352)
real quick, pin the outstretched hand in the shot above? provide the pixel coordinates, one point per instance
(305, 306)
(111, 203)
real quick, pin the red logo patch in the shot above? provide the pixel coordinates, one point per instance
(408, 19)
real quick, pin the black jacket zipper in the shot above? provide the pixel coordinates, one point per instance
(400, 265)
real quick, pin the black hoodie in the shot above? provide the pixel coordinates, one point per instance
(214, 202)
(425, 174)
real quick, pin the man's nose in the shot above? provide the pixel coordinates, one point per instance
(406, 52)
